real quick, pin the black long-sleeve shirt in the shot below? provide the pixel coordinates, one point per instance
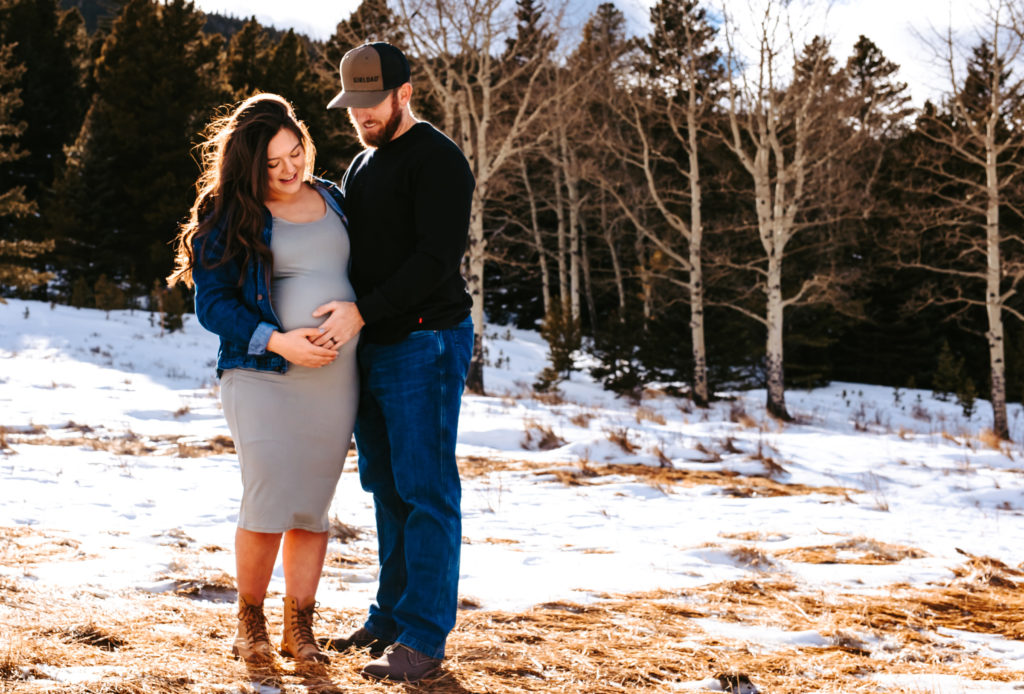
(408, 205)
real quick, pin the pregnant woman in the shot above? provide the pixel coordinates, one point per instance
(265, 245)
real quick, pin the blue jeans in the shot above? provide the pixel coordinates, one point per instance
(406, 430)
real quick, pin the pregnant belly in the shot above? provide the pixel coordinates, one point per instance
(295, 298)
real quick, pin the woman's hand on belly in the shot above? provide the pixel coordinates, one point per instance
(297, 347)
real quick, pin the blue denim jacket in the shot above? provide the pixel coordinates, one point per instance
(242, 315)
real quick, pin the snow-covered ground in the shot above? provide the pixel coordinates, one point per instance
(919, 474)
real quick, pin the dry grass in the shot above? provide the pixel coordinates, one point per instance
(126, 443)
(733, 483)
(582, 419)
(646, 414)
(663, 460)
(342, 531)
(989, 439)
(138, 643)
(552, 397)
(858, 550)
(620, 437)
(540, 437)
(23, 547)
(751, 557)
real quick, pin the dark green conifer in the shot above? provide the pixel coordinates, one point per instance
(563, 336)
(81, 295)
(52, 45)
(949, 373)
(130, 173)
(109, 297)
(247, 59)
(14, 205)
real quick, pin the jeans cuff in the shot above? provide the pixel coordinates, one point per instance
(379, 630)
(425, 647)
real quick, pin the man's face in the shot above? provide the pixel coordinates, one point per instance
(378, 124)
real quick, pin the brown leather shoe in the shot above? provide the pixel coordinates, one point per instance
(252, 643)
(402, 664)
(298, 641)
(359, 638)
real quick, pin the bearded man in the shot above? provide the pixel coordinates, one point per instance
(407, 198)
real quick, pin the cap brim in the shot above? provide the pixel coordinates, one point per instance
(358, 99)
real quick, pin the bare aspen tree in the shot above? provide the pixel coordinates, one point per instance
(789, 138)
(676, 93)
(536, 235)
(491, 107)
(973, 174)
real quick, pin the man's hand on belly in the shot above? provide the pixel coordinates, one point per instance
(343, 323)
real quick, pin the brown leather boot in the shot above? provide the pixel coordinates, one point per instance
(252, 643)
(298, 641)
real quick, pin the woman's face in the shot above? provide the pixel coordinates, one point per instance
(286, 162)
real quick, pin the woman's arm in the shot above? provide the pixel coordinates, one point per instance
(220, 307)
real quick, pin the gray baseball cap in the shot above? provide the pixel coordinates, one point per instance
(368, 73)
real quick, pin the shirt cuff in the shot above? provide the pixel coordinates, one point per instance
(260, 338)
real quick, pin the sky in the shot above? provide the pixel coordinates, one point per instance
(898, 27)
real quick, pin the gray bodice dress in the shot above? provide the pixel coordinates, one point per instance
(292, 429)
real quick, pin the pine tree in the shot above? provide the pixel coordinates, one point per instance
(246, 64)
(13, 203)
(109, 297)
(967, 397)
(949, 373)
(169, 304)
(81, 295)
(371, 21)
(562, 333)
(130, 172)
(52, 46)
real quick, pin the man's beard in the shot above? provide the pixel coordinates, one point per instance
(384, 134)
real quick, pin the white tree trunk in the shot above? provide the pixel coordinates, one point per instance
(572, 191)
(993, 294)
(475, 282)
(775, 377)
(538, 240)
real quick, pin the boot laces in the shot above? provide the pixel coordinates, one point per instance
(255, 623)
(302, 627)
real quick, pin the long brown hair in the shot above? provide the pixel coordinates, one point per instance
(234, 183)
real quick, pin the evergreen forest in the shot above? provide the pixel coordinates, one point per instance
(704, 207)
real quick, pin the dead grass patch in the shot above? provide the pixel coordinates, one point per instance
(346, 560)
(663, 460)
(858, 550)
(24, 547)
(540, 437)
(90, 635)
(732, 483)
(751, 557)
(582, 419)
(646, 414)
(644, 642)
(710, 456)
(128, 443)
(570, 478)
(552, 397)
(754, 536)
(212, 585)
(620, 437)
(342, 531)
